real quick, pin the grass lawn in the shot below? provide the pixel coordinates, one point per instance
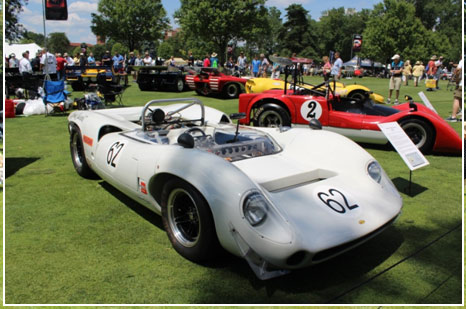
(69, 240)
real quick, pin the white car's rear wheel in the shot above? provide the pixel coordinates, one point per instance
(188, 221)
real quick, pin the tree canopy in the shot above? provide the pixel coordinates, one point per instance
(13, 29)
(130, 22)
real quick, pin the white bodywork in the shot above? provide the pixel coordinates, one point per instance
(315, 173)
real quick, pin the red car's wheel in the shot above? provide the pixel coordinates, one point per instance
(231, 90)
(271, 115)
(420, 132)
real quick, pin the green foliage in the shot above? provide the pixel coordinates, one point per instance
(57, 42)
(76, 50)
(13, 29)
(117, 47)
(296, 32)
(98, 51)
(32, 37)
(220, 22)
(130, 22)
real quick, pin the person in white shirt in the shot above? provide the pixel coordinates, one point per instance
(48, 63)
(69, 60)
(457, 95)
(25, 67)
(337, 65)
(147, 59)
(13, 62)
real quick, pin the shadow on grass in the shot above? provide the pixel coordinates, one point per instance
(12, 165)
(402, 185)
(142, 211)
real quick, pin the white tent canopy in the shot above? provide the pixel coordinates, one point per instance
(19, 49)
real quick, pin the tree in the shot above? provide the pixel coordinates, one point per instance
(296, 34)
(265, 39)
(130, 22)
(220, 22)
(32, 37)
(393, 28)
(13, 29)
(57, 42)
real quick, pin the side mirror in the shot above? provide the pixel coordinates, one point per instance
(315, 124)
(186, 140)
(237, 116)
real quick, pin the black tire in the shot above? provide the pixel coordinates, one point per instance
(78, 156)
(420, 132)
(357, 95)
(188, 221)
(271, 115)
(179, 85)
(231, 90)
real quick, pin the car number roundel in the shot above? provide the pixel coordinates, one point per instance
(311, 109)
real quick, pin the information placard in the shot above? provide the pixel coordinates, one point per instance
(405, 147)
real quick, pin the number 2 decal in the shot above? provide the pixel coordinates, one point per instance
(113, 153)
(312, 105)
(338, 202)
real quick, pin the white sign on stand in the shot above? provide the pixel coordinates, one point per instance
(426, 101)
(405, 147)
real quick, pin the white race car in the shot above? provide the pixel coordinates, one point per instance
(281, 198)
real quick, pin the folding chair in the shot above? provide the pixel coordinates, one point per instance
(55, 96)
(110, 92)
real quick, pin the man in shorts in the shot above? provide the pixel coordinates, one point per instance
(395, 78)
(457, 95)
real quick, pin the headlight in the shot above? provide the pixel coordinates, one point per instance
(255, 208)
(375, 171)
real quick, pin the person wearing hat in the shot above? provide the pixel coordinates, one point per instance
(458, 94)
(13, 62)
(438, 72)
(418, 71)
(431, 68)
(395, 77)
(214, 60)
(407, 72)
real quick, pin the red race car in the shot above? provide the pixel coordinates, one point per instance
(354, 118)
(211, 81)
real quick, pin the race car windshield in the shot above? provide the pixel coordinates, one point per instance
(249, 143)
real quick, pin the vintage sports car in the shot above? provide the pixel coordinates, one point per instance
(354, 118)
(295, 71)
(210, 81)
(160, 78)
(280, 198)
(81, 78)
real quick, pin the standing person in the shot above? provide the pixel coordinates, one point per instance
(118, 62)
(255, 66)
(35, 62)
(25, 67)
(106, 59)
(91, 59)
(264, 65)
(48, 62)
(418, 71)
(275, 69)
(326, 68)
(214, 60)
(457, 95)
(190, 58)
(242, 62)
(82, 59)
(206, 62)
(138, 61)
(431, 68)
(407, 71)
(147, 61)
(337, 65)
(69, 60)
(395, 78)
(60, 66)
(13, 62)
(438, 72)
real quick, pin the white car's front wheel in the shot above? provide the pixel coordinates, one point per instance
(77, 154)
(188, 221)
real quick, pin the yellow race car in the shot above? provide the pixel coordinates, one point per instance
(258, 85)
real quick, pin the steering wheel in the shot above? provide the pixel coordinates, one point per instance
(192, 130)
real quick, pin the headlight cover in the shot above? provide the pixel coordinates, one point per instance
(255, 208)
(375, 171)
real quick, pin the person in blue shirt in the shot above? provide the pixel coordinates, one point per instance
(118, 62)
(256, 63)
(395, 78)
(91, 59)
(214, 60)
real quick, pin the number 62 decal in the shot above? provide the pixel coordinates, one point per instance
(336, 201)
(113, 153)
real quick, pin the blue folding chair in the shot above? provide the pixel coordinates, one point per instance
(55, 96)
